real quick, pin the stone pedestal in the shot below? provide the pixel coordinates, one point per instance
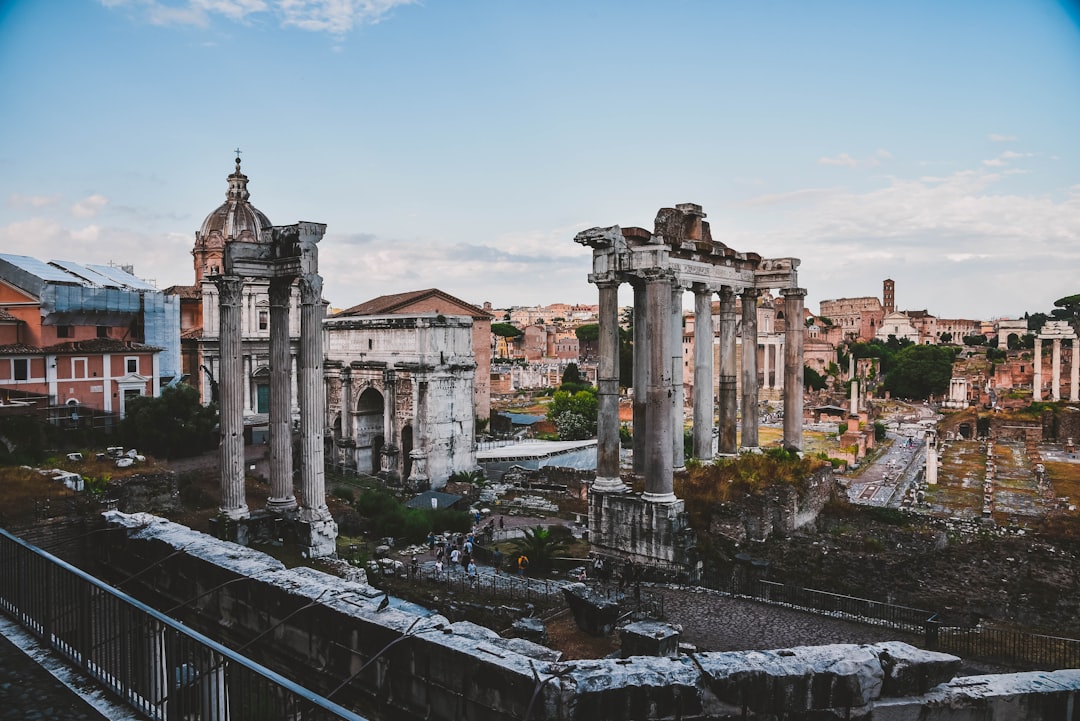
(634, 528)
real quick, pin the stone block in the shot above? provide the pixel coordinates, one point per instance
(912, 671)
(594, 614)
(795, 680)
(531, 629)
(650, 638)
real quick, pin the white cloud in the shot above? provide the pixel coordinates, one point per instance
(336, 17)
(848, 161)
(842, 159)
(998, 138)
(18, 200)
(89, 206)
(994, 162)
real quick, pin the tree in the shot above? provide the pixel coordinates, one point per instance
(974, 340)
(505, 330)
(1067, 308)
(574, 415)
(173, 425)
(812, 379)
(541, 546)
(588, 336)
(946, 338)
(571, 374)
(921, 370)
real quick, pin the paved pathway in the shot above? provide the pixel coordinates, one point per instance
(29, 692)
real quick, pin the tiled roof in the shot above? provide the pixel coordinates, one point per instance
(191, 334)
(186, 292)
(19, 349)
(395, 302)
(100, 345)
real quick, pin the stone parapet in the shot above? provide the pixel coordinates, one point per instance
(333, 637)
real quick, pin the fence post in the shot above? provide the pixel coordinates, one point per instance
(932, 627)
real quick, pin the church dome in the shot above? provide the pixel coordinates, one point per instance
(236, 217)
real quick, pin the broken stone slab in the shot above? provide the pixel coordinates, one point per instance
(594, 614)
(1032, 696)
(797, 679)
(531, 629)
(911, 671)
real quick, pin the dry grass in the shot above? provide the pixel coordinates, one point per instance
(1065, 478)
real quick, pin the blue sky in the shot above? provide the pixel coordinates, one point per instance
(462, 144)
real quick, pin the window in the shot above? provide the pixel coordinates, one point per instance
(20, 369)
(78, 368)
(103, 331)
(63, 331)
(264, 320)
(131, 364)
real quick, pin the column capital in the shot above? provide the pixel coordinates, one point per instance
(793, 292)
(280, 291)
(726, 292)
(607, 283)
(230, 289)
(310, 288)
(751, 293)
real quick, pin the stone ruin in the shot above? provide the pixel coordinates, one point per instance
(680, 254)
(327, 630)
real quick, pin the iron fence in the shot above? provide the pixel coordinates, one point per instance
(1016, 649)
(159, 667)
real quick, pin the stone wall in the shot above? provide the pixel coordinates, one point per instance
(626, 526)
(401, 664)
(777, 510)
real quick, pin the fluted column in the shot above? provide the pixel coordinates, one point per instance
(281, 497)
(1074, 373)
(390, 461)
(793, 367)
(347, 429)
(749, 369)
(1055, 371)
(678, 453)
(703, 373)
(766, 349)
(1036, 381)
(641, 375)
(231, 395)
(607, 384)
(312, 400)
(728, 392)
(658, 468)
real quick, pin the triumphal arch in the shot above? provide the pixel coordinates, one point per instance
(679, 255)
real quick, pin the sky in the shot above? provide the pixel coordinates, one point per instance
(461, 144)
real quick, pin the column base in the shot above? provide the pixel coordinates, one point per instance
(609, 485)
(658, 497)
(281, 506)
(235, 514)
(750, 449)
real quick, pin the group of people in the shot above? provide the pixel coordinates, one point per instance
(455, 550)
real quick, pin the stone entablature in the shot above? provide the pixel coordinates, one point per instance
(400, 396)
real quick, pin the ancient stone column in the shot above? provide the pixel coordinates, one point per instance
(779, 353)
(660, 408)
(1074, 374)
(766, 348)
(312, 400)
(728, 391)
(703, 373)
(1036, 381)
(281, 497)
(1055, 371)
(231, 396)
(793, 367)
(678, 454)
(854, 387)
(391, 453)
(607, 384)
(931, 457)
(346, 403)
(641, 375)
(749, 369)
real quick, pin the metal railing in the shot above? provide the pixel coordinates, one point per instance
(1013, 648)
(156, 665)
